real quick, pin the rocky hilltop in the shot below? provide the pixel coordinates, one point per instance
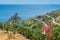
(15, 19)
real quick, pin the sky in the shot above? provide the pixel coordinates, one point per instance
(29, 1)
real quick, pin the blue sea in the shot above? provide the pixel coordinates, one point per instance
(25, 10)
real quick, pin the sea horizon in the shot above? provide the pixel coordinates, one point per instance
(25, 10)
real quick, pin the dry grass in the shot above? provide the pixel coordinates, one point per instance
(4, 36)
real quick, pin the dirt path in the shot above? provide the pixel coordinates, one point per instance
(4, 36)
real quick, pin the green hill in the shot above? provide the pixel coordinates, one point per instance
(30, 27)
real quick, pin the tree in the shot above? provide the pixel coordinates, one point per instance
(1, 25)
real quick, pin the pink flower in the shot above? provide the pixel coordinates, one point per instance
(47, 28)
(48, 23)
(48, 35)
(42, 30)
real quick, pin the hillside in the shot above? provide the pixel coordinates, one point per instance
(39, 21)
(5, 36)
(55, 13)
(40, 27)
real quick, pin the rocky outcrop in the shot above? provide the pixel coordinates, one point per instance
(15, 19)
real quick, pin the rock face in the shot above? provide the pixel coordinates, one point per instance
(15, 19)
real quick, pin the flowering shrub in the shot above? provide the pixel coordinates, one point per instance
(46, 30)
(49, 32)
(48, 36)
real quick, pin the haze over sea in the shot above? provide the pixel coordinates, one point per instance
(25, 10)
